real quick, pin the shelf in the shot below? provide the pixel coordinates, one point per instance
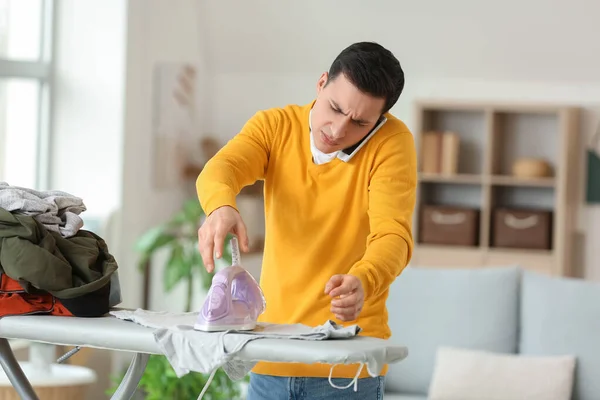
(468, 153)
(493, 250)
(519, 135)
(453, 141)
(448, 256)
(455, 194)
(475, 179)
(454, 178)
(507, 180)
(520, 196)
(450, 248)
(513, 251)
(440, 256)
(540, 261)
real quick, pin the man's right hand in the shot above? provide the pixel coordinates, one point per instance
(212, 233)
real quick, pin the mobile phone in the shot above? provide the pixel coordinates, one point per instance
(349, 152)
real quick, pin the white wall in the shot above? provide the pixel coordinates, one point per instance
(271, 53)
(439, 40)
(158, 31)
(87, 115)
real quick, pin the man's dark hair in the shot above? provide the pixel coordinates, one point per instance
(372, 69)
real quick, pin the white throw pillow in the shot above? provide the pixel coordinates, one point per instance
(462, 374)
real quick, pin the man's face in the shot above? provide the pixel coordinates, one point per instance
(342, 115)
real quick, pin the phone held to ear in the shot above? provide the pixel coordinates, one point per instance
(349, 152)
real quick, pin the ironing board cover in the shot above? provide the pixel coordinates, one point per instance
(114, 334)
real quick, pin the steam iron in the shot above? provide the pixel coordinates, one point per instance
(234, 300)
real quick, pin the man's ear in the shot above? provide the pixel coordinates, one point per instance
(322, 82)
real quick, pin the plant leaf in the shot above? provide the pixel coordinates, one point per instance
(178, 219)
(193, 211)
(151, 241)
(178, 267)
(159, 382)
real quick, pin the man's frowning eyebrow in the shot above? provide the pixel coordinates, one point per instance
(337, 108)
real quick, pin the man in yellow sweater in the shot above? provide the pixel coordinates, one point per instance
(339, 187)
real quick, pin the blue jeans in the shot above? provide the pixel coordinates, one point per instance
(267, 387)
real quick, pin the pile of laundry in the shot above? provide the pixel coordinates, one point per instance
(48, 263)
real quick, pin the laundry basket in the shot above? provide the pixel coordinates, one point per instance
(56, 382)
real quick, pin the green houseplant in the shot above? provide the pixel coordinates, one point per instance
(178, 237)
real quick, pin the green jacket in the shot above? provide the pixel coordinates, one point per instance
(40, 259)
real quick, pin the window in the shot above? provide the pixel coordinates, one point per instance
(25, 66)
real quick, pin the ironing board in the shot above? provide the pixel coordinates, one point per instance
(111, 333)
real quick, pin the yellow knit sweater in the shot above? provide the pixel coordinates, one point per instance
(341, 217)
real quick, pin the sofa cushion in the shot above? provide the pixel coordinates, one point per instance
(433, 307)
(475, 374)
(561, 316)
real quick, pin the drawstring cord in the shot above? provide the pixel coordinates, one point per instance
(207, 384)
(212, 374)
(353, 381)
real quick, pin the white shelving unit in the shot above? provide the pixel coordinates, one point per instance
(492, 136)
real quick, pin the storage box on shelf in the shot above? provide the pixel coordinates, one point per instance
(447, 225)
(522, 229)
(502, 174)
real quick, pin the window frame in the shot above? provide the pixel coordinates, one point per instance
(40, 70)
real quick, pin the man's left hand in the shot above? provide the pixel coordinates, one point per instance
(348, 296)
